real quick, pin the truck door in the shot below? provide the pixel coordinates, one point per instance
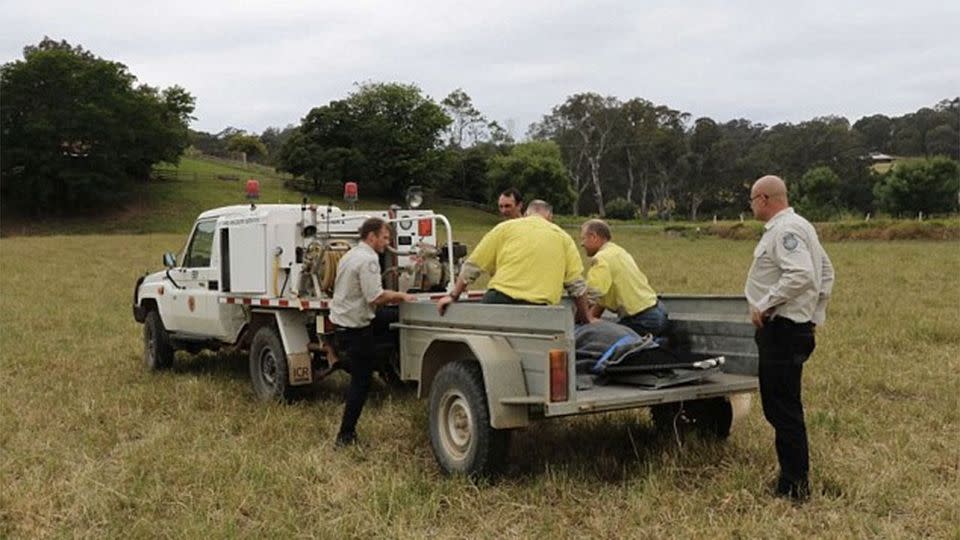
(193, 308)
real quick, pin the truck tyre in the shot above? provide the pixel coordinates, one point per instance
(710, 418)
(462, 438)
(268, 366)
(157, 350)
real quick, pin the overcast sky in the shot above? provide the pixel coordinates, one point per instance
(254, 65)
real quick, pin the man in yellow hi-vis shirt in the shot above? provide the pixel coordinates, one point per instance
(618, 284)
(531, 261)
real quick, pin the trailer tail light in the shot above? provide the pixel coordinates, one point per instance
(425, 227)
(559, 379)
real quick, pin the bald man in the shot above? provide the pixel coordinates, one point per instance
(530, 260)
(788, 287)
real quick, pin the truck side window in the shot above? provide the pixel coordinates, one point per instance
(201, 245)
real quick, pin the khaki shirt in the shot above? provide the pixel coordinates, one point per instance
(790, 272)
(618, 283)
(358, 284)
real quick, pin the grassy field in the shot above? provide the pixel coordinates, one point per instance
(93, 445)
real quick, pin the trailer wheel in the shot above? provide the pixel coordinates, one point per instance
(462, 438)
(707, 417)
(157, 350)
(269, 372)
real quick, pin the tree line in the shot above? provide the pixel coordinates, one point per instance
(595, 154)
(78, 131)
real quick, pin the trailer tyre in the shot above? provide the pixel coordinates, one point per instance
(707, 417)
(157, 350)
(462, 438)
(269, 371)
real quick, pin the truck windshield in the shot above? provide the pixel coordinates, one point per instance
(201, 245)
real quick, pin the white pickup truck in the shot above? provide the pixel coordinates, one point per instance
(490, 369)
(260, 278)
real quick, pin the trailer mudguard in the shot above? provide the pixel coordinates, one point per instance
(501, 367)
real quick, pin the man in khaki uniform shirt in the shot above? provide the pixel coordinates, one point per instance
(357, 291)
(788, 288)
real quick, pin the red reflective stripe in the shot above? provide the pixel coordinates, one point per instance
(304, 304)
(246, 301)
(231, 300)
(264, 302)
(284, 303)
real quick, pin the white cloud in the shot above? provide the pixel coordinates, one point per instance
(266, 64)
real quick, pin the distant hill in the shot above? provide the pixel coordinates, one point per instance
(170, 201)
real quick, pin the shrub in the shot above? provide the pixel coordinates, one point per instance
(621, 208)
(922, 185)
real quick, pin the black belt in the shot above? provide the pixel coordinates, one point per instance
(790, 322)
(349, 330)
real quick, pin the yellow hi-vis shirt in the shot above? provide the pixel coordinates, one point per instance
(529, 259)
(620, 283)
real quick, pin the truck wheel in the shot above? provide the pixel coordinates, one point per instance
(268, 366)
(463, 440)
(708, 417)
(157, 350)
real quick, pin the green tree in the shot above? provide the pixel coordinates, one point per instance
(707, 162)
(78, 131)
(384, 135)
(651, 141)
(249, 145)
(536, 169)
(468, 123)
(468, 168)
(818, 194)
(273, 139)
(943, 140)
(923, 185)
(585, 126)
(876, 131)
(472, 141)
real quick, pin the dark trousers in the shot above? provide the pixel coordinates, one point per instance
(359, 349)
(493, 296)
(784, 346)
(653, 320)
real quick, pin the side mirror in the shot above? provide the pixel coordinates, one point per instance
(169, 260)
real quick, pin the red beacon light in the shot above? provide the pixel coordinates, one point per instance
(253, 189)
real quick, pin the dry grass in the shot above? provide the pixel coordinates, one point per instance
(93, 445)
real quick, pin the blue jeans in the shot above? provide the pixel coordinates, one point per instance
(653, 320)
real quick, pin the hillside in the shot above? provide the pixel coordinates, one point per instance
(171, 202)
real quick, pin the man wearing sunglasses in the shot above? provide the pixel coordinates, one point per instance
(788, 287)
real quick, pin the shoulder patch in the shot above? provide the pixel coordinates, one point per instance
(373, 267)
(790, 241)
